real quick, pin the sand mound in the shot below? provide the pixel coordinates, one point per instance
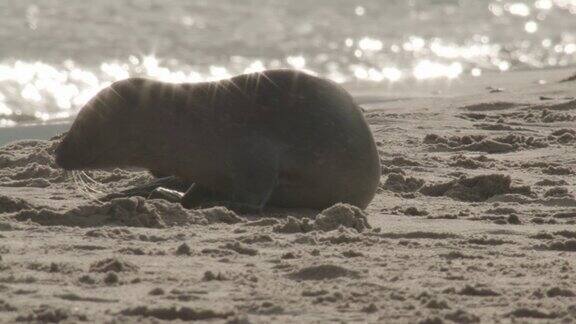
(559, 292)
(497, 127)
(220, 215)
(323, 272)
(477, 291)
(570, 78)
(134, 211)
(113, 265)
(551, 182)
(33, 170)
(172, 313)
(24, 153)
(453, 141)
(413, 211)
(561, 245)
(399, 183)
(479, 188)
(568, 105)
(468, 162)
(524, 312)
(558, 170)
(553, 112)
(488, 146)
(342, 236)
(563, 136)
(548, 116)
(263, 222)
(522, 141)
(481, 143)
(240, 248)
(401, 161)
(33, 183)
(418, 235)
(557, 192)
(111, 232)
(294, 225)
(477, 143)
(462, 316)
(47, 314)
(11, 204)
(498, 105)
(6, 307)
(339, 215)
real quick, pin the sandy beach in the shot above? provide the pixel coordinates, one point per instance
(474, 222)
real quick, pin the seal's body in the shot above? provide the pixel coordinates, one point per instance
(279, 137)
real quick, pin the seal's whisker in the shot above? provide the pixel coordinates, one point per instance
(73, 176)
(99, 187)
(79, 185)
(70, 177)
(83, 188)
(93, 183)
(67, 175)
(82, 176)
(89, 178)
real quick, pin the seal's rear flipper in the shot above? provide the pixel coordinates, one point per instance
(150, 189)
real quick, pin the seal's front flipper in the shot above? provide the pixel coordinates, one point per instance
(166, 194)
(171, 183)
(255, 165)
(200, 197)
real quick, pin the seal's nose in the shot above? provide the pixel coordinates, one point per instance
(60, 156)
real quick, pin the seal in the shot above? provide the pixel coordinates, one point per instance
(280, 137)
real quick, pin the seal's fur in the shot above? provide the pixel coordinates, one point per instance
(279, 137)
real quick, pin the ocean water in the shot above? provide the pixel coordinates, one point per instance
(56, 54)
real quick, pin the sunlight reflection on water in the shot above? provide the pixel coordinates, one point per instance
(399, 42)
(58, 92)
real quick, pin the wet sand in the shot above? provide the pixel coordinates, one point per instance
(474, 222)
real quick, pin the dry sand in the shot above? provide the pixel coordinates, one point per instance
(474, 222)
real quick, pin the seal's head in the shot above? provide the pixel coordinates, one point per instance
(103, 133)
